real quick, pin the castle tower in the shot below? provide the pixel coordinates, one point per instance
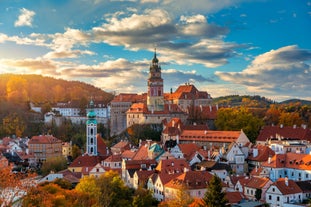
(155, 98)
(91, 132)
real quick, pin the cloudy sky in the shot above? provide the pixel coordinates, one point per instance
(245, 47)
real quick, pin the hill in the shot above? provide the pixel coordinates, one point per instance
(293, 101)
(246, 100)
(40, 89)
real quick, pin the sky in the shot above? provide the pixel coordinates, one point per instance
(227, 47)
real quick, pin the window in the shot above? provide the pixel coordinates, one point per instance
(270, 197)
(277, 198)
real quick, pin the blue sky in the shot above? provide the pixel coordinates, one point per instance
(245, 47)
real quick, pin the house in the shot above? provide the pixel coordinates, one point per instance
(236, 158)
(258, 155)
(44, 147)
(97, 170)
(194, 182)
(255, 185)
(305, 186)
(221, 169)
(294, 132)
(212, 138)
(84, 164)
(283, 191)
(113, 162)
(190, 151)
(283, 145)
(141, 177)
(129, 167)
(165, 171)
(296, 167)
(120, 147)
(234, 197)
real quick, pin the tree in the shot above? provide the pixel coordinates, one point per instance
(215, 196)
(258, 194)
(14, 124)
(54, 164)
(237, 119)
(13, 186)
(182, 198)
(89, 186)
(143, 197)
(113, 191)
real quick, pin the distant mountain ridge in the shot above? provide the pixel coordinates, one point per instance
(259, 101)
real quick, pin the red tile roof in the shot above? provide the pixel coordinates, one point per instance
(287, 189)
(133, 98)
(264, 152)
(209, 135)
(101, 146)
(191, 179)
(44, 139)
(234, 197)
(290, 160)
(268, 132)
(172, 166)
(257, 182)
(188, 149)
(86, 161)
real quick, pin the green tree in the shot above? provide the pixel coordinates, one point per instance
(258, 194)
(215, 196)
(76, 152)
(237, 119)
(54, 164)
(143, 197)
(113, 191)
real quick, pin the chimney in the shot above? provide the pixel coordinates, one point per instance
(286, 181)
(269, 160)
(186, 170)
(210, 108)
(255, 152)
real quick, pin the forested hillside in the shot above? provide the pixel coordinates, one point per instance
(17, 91)
(40, 89)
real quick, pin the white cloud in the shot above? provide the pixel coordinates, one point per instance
(25, 18)
(277, 72)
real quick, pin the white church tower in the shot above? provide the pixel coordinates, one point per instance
(91, 132)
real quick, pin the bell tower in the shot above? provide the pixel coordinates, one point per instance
(91, 132)
(155, 98)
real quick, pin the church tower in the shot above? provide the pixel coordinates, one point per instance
(155, 98)
(91, 132)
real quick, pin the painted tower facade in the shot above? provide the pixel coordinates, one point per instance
(91, 132)
(155, 98)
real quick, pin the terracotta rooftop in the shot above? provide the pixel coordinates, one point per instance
(268, 132)
(44, 139)
(133, 98)
(257, 182)
(188, 149)
(290, 160)
(191, 179)
(86, 161)
(209, 135)
(172, 166)
(234, 197)
(264, 152)
(286, 189)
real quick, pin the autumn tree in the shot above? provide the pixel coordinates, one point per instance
(14, 124)
(182, 198)
(143, 197)
(16, 89)
(272, 115)
(13, 186)
(113, 191)
(54, 164)
(290, 119)
(239, 118)
(215, 196)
